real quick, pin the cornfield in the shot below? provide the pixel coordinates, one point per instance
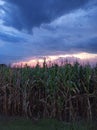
(67, 92)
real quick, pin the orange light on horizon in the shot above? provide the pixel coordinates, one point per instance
(80, 56)
(85, 55)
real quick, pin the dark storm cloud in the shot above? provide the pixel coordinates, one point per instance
(29, 13)
(10, 38)
(90, 46)
(73, 32)
(58, 26)
(6, 59)
(12, 16)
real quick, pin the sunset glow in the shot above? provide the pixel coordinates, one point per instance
(85, 56)
(54, 59)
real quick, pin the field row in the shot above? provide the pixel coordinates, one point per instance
(67, 92)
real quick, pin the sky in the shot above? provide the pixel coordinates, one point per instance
(56, 29)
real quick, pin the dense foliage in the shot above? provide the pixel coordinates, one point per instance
(67, 92)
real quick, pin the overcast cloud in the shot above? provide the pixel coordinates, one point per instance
(46, 27)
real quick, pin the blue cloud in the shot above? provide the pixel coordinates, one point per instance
(11, 38)
(33, 13)
(45, 30)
